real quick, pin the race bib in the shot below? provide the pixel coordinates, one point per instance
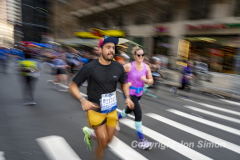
(108, 102)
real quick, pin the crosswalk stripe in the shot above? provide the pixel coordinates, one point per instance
(129, 115)
(188, 152)
(2, 156)
(214, 114)
(207, 122)
(123, 151)
(57, 148)
(216, 140)
(214, 107)
(83, 94)
(232, 102)
(220, 109)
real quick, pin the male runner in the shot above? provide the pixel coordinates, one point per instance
(138, 74)
(102, 75)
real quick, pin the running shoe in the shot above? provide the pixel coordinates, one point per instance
(87, 138)
(30, 102)
(144, 144)
(173, 90)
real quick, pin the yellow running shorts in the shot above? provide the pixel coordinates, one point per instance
(96, 119)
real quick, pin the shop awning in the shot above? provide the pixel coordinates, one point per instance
(103, 7)
(79, 41)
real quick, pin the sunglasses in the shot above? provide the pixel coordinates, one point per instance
(139, 55)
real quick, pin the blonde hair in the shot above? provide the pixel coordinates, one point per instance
(137, 49)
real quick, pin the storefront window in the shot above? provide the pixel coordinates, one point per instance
(138, 40)
(237, 8)
(217, 51)
(162, 45)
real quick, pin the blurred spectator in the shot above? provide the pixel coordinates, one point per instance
(4, 56)
(29, 71)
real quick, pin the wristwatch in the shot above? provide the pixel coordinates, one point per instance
(128, 96)
(80, 98)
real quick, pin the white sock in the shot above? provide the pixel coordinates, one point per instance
(92, 133)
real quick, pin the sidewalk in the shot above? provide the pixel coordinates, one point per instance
(222, 84)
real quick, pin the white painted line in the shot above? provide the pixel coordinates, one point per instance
(174, 145)
(63, 86)
(196, 115)
(119, 90)
(218, 96)
(57, 148)
(216, 108)
(214, 114)
(123, 151)
(83, 94)
(195, 132)
(84, 84)
(231, 102)
(207, 122)
(2, 157)
(220, 109)
(129, 115)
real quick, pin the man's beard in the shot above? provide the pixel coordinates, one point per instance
(105, 57)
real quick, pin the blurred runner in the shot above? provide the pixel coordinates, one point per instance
(29, 69)
(122, 58)
(155, 68)
(74, 64)
(187, 76)
(94, 54)
(138, 73)
(17, 52)
(61, 70)
(102, 76)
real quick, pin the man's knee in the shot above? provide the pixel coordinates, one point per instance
(103, 142)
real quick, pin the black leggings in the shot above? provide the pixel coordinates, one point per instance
(137, 109)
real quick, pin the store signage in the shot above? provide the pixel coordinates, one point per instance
(183, 50)
(162, 29)
(97, 33)
(212, 26)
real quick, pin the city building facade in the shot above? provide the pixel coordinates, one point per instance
(6, 28)
(159, 25)
(35, 23)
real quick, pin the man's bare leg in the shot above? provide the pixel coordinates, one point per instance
(102, 136)
(64, 79)
(111, 132)
(57, 79)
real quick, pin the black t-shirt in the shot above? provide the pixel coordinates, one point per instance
(102, 79)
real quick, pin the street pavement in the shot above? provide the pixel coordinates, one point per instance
(181, 128)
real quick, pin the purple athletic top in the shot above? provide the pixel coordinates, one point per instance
(134, 76)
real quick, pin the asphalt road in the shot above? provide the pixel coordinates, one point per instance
(52, 129)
